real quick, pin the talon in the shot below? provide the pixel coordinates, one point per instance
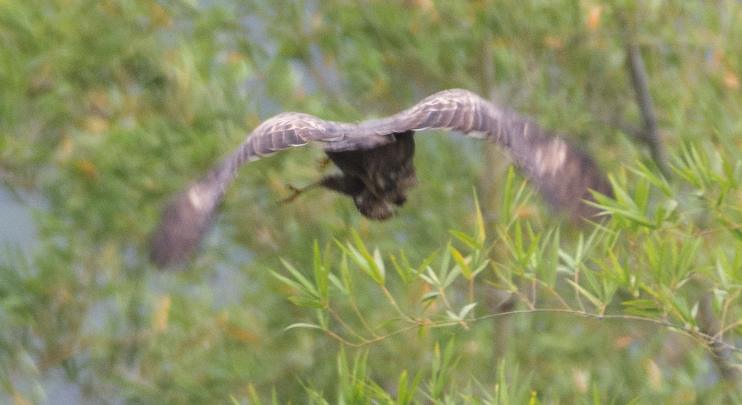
(295, 192)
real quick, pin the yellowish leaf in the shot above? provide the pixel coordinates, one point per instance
(241, 334)
(731, 80)
(159, 17)
(654, 374)
(623, 341)
(86, 168)
(95, 124)
(525, 211)
(593, 17)
(65, 148)
(426, 5)
(580, 379)
(18, 399)
(160, 314)
(554, 43)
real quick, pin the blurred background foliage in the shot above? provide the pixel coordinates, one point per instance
(109, 107)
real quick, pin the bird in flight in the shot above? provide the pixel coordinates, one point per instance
(375, 159)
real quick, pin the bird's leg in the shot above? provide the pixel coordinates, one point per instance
(295, 192)
(323, 163)
(348, 185)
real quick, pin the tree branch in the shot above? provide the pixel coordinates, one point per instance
(640, 82)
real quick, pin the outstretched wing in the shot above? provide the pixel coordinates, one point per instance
(562, 173)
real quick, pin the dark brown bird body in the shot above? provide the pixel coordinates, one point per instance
(375, 158)
(377, 179)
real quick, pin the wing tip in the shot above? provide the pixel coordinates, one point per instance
(184, 223)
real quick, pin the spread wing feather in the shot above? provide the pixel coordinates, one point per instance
(562, 173)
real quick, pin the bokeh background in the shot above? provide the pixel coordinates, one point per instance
(110, 107)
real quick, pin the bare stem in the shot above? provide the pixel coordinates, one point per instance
(639, 80)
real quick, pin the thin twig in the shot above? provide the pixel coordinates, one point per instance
(709, 340)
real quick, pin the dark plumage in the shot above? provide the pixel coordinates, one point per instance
(375, 160)
(377, 179)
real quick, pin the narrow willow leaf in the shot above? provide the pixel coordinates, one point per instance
(481, 267)
(461, 262)
(445, 261)
(641, 195)
(363, 258)
(306, 302)
(508, 198)
(403, 272)
(338, 284)
(347, 279)
(593, 299)
(407, 394)
(451, 277)
(453, 316)
(680, 305)
(430, 277)
(646, 308)
(426, 263)
(402, 393)
(299, 287)
(303, 326)
(253, 396)
(321, 273)
(300, 277)
(468, 240)
(322, 319)
(380, 265)
(550, 259)
(430, 296)
(729, 172)
(481, 234)
(466, 310)
(622, 197)
(658, 180)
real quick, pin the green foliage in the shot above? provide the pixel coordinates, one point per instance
(109, 107)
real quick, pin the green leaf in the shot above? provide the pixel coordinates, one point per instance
(641, 195)
(461, 262)
(406, 395)
(321, 273)
(481, 234)
(337, 283)
(466, 310)
(468, 240)
(363, 259)
(300, 277)
(379, 261)
(430, 296)
(306, 302)
(347, 279)
(549, 259)
(658, 180)
(593, 299)
(445, 261)
(729, 172)
(403, 272)
(304, 326)
(300, 288)
(481, 267)
(646, 308)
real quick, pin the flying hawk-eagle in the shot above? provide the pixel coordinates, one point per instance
(375, 159)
